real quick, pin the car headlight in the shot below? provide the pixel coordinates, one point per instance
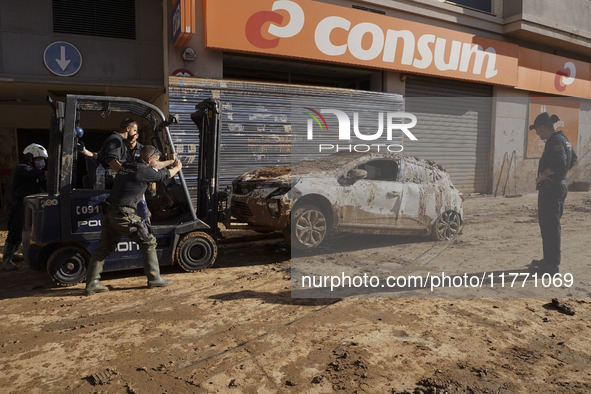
(273, 207)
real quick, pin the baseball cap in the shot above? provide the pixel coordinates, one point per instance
(544, 118)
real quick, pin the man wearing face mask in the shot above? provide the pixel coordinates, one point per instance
(119, 219)
(28, 178)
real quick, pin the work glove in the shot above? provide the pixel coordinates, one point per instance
(81, 148)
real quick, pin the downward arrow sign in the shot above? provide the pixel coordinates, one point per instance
(63, 63)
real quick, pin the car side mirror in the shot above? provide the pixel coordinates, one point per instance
(356, 174)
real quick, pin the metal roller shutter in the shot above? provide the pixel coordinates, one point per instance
(453, 129)
(257, 120)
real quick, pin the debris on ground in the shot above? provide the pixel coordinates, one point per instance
(563, 307)
(102, 377)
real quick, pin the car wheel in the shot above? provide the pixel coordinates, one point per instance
(309, 227)
(67, 265)
(196, 251)
(447, 226)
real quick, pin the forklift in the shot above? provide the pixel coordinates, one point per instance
(63, 226)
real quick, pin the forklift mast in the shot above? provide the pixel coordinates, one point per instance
(56, 129)
(207, 119)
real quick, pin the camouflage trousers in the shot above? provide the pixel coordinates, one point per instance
(116, 223)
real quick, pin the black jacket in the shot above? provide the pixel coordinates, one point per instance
(132, 181)
(558, 156)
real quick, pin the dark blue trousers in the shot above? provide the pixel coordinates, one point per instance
(550, 205)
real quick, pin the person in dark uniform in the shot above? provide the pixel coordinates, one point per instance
(113, 152)
(133, 148)
(120, 220)
(120, 147)
(557, 159)
(28, 178)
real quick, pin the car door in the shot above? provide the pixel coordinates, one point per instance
(376, 200)
(419, 192)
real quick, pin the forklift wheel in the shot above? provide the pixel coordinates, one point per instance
(67, 265)
(196, 251)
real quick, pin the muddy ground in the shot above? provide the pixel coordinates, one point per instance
(235, 327)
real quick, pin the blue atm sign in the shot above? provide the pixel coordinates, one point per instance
(176, 21)
(62, 58)
(183, 22)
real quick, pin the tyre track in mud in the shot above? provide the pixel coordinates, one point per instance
(212, 364)
(116, 312)
(223, 366)
(75, 328)
(63, 294)
(432, 252)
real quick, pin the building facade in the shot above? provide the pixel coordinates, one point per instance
(475, 72)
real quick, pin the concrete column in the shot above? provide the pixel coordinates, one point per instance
(394, 82)
(510, 172)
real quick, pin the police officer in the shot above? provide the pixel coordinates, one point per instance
(557, 159)
(133, 147)
(113, 152)
(28, 178)
(119, 219)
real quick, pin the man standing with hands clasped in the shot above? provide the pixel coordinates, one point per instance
(557, 159)
(119, 219)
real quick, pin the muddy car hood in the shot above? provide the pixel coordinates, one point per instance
(330, 164)
(285, 173)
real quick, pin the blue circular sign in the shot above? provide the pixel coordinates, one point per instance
(62, 58)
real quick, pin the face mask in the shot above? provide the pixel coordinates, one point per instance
(39, 164)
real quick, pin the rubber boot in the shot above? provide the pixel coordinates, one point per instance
(535, 264)
(551, 269)
(541, 267)
(152, 270)
(92, 278)
(8, 254)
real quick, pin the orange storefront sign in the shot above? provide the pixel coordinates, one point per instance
(317, 31)
(544, 72)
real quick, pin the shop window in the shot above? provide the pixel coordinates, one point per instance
(101, 18)
(481, 5)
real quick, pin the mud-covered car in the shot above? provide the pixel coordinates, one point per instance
(375, 193)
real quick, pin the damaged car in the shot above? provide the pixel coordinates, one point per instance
(374, 193)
